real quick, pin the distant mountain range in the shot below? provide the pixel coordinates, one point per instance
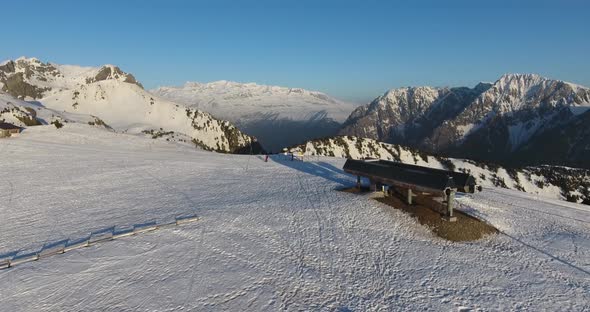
(86, 94)
(277, 116)
(521, 119)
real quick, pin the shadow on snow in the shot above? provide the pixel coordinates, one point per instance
(319, 169)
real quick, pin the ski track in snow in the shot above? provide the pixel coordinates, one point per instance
(271, 236)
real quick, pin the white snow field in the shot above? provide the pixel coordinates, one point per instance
(270, 236)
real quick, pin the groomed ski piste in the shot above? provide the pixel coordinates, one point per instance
(269, 236)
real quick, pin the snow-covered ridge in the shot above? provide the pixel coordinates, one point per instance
(406, 104)
(515, 92)
(236, 101)
(551, 181)
(225, 86)
(119, 101)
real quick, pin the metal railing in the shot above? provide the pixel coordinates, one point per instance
(17, 257)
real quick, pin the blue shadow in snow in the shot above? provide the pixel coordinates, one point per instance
(122, 230)
(62, 242)
(38, 105)
(25, 255)
(72, 242)
(144, 224)
(319, 169)
(9, 254)
(103, 231)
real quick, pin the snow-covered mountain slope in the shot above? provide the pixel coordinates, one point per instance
(277, 116)
(564, 183)
(25, 114)
(569, 142)
(489, 122)
(289, 241)
(516, 109)
(119, 100)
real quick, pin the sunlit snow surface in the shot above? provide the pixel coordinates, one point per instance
(271, 236)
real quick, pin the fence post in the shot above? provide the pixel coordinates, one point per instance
(4, 264)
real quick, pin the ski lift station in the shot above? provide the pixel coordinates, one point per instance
(410, 181)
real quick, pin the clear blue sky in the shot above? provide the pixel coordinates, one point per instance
(352, 50)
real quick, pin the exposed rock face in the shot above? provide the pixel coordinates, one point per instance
(16, 86)
(409, 115)
(511, 112)
(569, 143)
(31, 78)
(386, 117)
(489, 122)
(113, 72)
(15, 77)
(8, 67)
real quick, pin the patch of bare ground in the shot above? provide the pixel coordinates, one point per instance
(466, 228)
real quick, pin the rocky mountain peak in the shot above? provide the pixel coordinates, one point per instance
(111, 72)
(482, 87)
(410, 101)
(524, 92)
(489, 121)
(31, 78)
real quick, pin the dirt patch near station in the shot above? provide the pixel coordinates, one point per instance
(466, 228)
(354, 190)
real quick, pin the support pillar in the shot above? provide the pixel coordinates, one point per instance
(410, 196)
(373, 186)
(450, 194)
